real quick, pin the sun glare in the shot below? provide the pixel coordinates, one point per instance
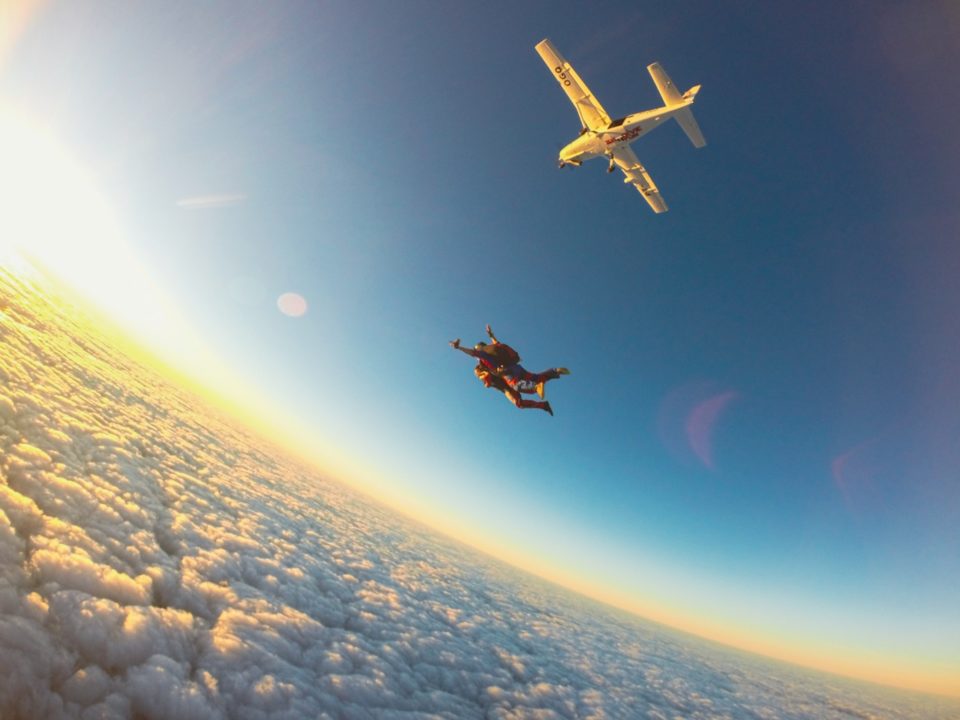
(54, 215)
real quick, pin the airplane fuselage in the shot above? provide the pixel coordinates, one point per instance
(603, 137)
(623, 131)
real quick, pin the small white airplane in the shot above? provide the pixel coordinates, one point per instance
(603, 137)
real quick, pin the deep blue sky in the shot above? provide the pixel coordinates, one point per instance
(397, 163)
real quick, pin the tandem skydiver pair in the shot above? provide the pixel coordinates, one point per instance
(498, 367)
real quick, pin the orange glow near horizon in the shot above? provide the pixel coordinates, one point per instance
(56, 220)
(907, 674)
(55, 215)
(903, 673)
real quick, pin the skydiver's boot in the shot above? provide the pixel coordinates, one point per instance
(563, 371)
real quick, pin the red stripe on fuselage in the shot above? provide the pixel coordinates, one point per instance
(623, 137)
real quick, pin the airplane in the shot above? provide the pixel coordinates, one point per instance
(603, 137)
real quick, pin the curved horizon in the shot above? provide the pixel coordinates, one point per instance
(295, 209)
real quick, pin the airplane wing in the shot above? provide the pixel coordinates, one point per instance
(637, 174)
(591, 112)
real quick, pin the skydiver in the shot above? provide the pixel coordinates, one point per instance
(486, 373)
(499, 367)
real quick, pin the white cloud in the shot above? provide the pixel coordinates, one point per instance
(157, 562)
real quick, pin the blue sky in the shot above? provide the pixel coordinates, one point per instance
(760, 436)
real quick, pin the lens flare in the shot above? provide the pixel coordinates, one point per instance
(292, 304)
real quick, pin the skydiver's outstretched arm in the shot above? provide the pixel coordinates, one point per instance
(486, 358)
(490, 333)
(455, 344)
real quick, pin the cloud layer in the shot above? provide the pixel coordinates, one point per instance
(157, 561)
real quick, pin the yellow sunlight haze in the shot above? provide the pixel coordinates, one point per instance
(55, 217)
(54, 214)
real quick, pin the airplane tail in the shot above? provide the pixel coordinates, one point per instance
(689, 124)
(672, 98)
